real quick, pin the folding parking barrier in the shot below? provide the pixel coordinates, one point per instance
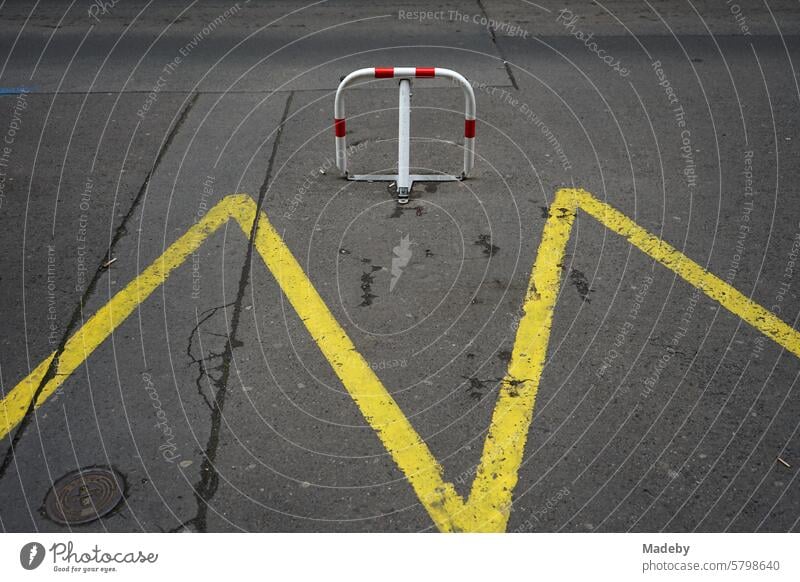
(403, 179)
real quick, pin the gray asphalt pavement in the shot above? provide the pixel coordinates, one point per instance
(125, 123)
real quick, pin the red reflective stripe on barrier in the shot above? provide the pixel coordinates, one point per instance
(384, 72)
(469, 128)
(339, 127)
(425, 72)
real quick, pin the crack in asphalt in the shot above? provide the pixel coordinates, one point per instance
(499, 49)
(77, 314)
(207, 486)
(202, 361)
(581, 283)
(485, 242)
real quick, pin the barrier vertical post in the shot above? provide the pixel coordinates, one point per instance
(404, 140)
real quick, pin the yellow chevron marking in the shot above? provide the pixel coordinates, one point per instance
(488, 506)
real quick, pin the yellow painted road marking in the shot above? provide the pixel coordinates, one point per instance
(762, 319)
(489, 503)
(101, 324)
(488, 506)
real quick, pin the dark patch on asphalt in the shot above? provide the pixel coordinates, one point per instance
(476, 387)
(534, 292)
(399, 210)
(485, 241)
(545, 211)
(428, 253)
(431, 187)
(581, 283)
(504, 356)
(512, 387)
(367, 279)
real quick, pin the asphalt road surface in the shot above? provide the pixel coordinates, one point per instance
(230, 395)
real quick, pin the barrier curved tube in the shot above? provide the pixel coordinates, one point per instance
(340, 124)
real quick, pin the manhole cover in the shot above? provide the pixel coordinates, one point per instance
(84, 495)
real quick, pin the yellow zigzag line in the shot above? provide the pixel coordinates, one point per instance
(488, 506)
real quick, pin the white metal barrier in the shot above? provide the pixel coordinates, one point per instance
(403, 179)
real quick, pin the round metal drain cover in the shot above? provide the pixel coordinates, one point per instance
(84, 495)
